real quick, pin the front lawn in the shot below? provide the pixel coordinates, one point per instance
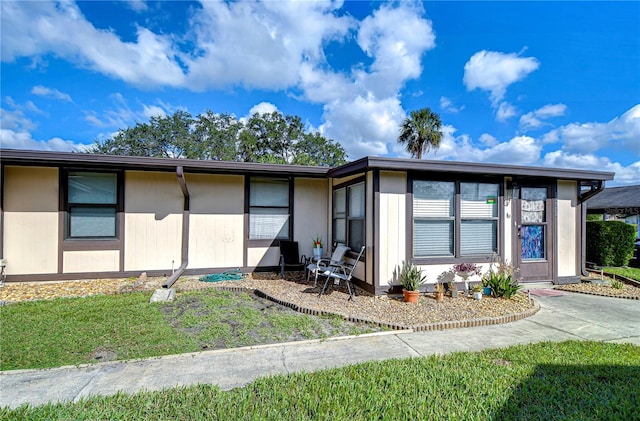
(570, 380)
(69, 331)
(633, 273)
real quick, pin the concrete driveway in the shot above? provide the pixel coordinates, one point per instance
(570, 316)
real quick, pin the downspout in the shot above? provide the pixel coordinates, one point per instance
(595, 188)
(185, 230)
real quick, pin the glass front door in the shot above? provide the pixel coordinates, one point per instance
(535, 218)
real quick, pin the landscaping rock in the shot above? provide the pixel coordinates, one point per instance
(162, 295)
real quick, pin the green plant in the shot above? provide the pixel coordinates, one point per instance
(452, 286)
(502, 279)
(411, 277)
(477, 288)
(617, 284)
(439, 287)
(610, 243)
(317, 242)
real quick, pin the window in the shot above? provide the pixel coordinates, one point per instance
(448, 224)
(348, 215)
(269, 209)
(92, 204)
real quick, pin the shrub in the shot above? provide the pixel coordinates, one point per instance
(610, 243)
(502, 280)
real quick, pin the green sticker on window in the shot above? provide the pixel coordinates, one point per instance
(491, 200)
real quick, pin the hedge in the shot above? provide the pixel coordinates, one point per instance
(610, 243)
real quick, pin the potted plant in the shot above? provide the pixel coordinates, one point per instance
(317, 247)
(439, 293)
(465, 270)
(411, 279)
(454, 289)
(477, 292)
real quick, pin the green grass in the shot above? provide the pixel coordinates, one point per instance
(633, 273)
(44, 334)
(570, 380)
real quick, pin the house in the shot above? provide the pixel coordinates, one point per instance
(75, 216)
(617, 203)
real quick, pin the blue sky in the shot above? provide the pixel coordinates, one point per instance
(528, 83)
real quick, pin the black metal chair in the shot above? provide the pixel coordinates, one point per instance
(290, 257)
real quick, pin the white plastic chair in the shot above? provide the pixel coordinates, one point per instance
(343, 272)
(323, 265)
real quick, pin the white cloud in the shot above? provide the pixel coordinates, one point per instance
(121, 115)
(395, 37)
(505, 111)
(263, 108)
(34, 29)
(488, 140)
(447, 105)
(582, 138)
(364, 125)
(265, 45)
(494, 71)
(623, 175)
(10, 139)
(137, 5)
(535, 119)
(49, 92)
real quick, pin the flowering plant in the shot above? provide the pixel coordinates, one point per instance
(317, 242)
(470, 268)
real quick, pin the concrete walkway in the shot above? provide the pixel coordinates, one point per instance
(570, 316)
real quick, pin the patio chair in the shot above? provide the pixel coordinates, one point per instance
(342, 272)
(290, 257)
(323, 264)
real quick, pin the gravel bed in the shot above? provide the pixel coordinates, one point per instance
(588, 286)
(385, 310)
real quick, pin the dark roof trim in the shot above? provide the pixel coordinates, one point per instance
(398, 164)
(81, 160)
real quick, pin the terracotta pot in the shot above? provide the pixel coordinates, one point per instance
(411, 296)
(439, 295)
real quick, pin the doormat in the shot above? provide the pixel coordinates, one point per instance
(546, 292)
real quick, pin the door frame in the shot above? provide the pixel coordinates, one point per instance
(543, 270)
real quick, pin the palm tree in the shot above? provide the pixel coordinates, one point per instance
(420, 132)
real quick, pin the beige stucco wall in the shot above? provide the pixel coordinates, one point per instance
(311, 213)
(91, 261)
(566, 228)
(153, 221)
(30, 236)
(393, 225)
(216, 223)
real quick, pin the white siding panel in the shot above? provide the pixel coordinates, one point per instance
(30, 235)
(311, 213)
(91, 261)
(566, 229)
(393, 225)
(153, 221)
(216, 223)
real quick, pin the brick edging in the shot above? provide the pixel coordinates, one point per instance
(626, 297)
(450, 324)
